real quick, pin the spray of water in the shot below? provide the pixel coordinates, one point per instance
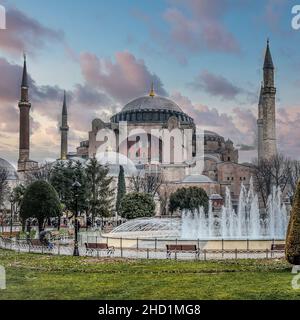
(247, 222)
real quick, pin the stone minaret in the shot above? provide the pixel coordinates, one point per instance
(24, 132)
(260, 144)
(268, 108)
(64, 130)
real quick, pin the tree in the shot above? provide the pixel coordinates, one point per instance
(99, 192)
(63, 175)
(40, 201)
(147, 182)
(42, 172)
(121, 188)
(293, 234)
(3, 184)
(164, 194)
(275, 171)
(189, 198)
(135, 205)
(294, 176)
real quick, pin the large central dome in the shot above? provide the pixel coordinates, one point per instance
(151, 103)
(151, 109)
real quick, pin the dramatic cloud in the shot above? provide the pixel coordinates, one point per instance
(288, 129)
(84, 104)
(24, 33)
(193, 26)
(122, 80)
(238, 124)
(215, 85)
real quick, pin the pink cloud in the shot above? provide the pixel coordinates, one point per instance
(123, 79)
(215, 85)
(236, 124)
(193, 26)
(24, 33)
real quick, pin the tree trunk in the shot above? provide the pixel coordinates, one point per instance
(41, 224)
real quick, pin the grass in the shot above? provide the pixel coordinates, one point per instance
(33, 276)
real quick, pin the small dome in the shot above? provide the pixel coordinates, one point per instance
(215, 196)
(151, 103)
(208, 133)
(197, 178)
(12, 174)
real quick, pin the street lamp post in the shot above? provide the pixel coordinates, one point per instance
(11, 200)
(76, 185)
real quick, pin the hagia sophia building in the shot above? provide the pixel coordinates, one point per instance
(153, 113)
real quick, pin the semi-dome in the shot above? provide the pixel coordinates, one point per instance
(151, 103)
(197, 178)
(12, 174)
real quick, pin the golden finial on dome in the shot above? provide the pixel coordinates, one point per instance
(152, 93)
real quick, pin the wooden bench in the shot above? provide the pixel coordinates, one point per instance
(38, 243)
(6, 240)
(278, 247)
(98, 247)
(189, 248)
(14, 234)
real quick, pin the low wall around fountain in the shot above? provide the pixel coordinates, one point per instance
(160, 243)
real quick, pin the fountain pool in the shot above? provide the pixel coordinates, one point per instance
(247, 222)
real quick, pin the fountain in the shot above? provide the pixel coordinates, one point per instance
(247, 222)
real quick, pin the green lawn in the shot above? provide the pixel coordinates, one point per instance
(32, 276)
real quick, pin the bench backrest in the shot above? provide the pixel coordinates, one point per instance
(278, 246)
(181, 247)
(7, 234)
(36, 242)
(96, 245)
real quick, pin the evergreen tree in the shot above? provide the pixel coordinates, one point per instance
(189, 198)
(40, 201)
(99, 192)
(293, 234)
(121, 188)
(63, 175)
(136, 205)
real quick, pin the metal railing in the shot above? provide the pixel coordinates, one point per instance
(139, 251)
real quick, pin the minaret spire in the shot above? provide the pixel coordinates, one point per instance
(64, 110)
(24, 162)
(260, 145)
(267, 108)
(24, 77)
(64, 130)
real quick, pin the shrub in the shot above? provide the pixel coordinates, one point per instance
(40, 201)
(293, 234)
(135, 205)
(188, 198)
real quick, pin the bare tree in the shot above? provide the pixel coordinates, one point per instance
(294, 176)
(42, 172)
(164, 192)
(3, 184)
(146, 181)
(268, 173)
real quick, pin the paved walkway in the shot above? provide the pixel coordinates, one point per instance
(144, 253)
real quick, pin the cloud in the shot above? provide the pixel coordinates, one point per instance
(288, 128)
(237, 124)
(215, 85)
(84, 104)
(193, 26)
(24, 33)
(123, 80)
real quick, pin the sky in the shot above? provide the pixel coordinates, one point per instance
(206, 55)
